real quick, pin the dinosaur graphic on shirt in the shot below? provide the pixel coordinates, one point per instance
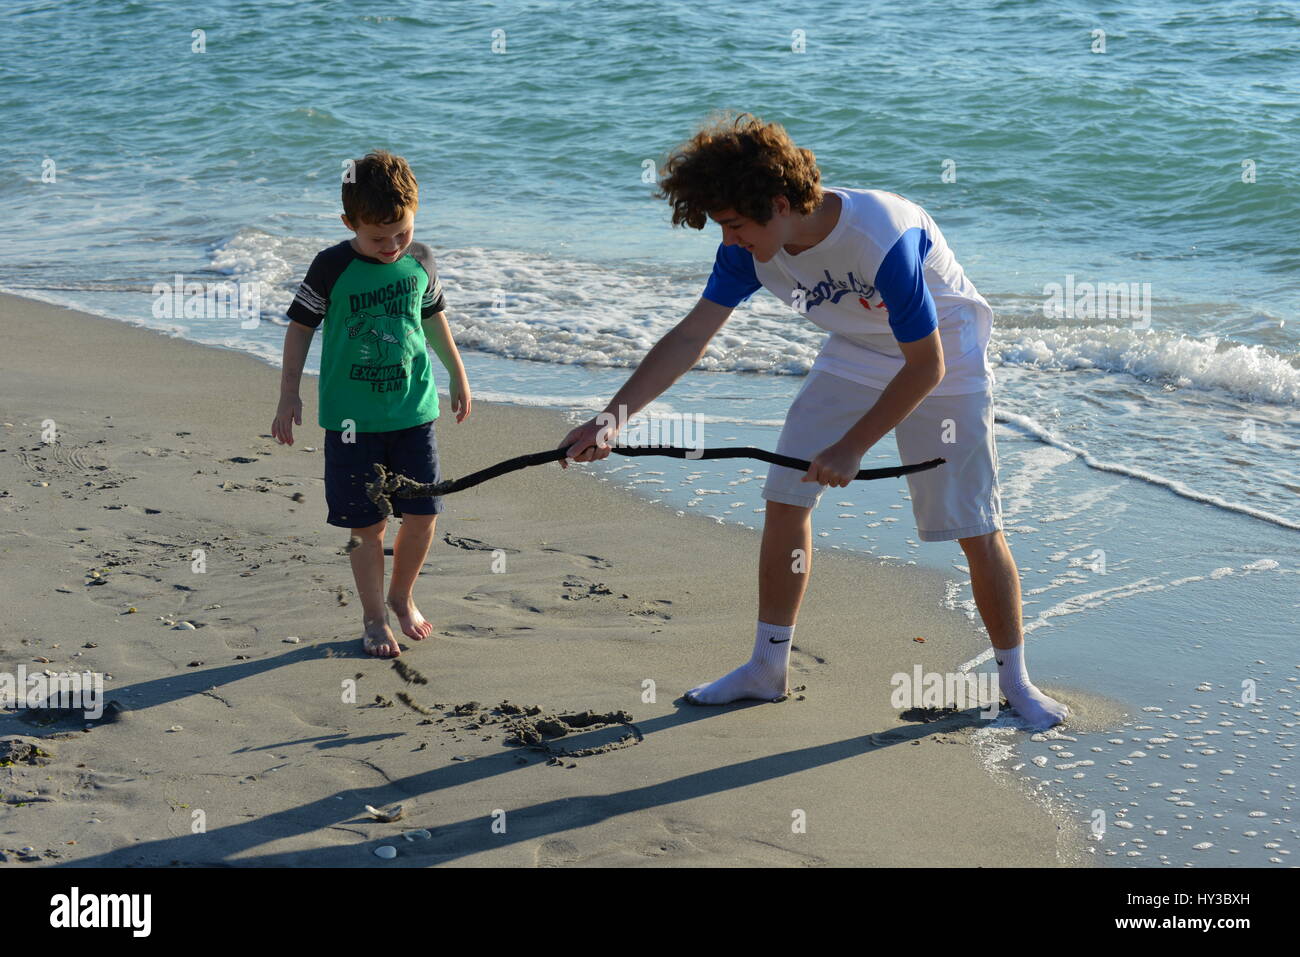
(383, 333)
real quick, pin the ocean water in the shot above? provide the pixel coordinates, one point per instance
(1148, 469)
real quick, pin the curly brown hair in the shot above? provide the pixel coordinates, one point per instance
(383, 192)
(738, 162)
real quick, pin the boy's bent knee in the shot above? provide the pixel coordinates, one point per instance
(982, 543)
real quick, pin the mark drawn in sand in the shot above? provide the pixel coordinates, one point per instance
(474, 545)
(527, 726)
(537, 731)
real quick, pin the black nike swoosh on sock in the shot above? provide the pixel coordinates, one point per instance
(780, 641)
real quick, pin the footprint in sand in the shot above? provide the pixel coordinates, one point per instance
(594, 561)
(505, 600)
(654, 610)
(804, 661)
(577, 588)
(555, 853)
(666, 847)
(474, 545)
(466, 630)
(678, 842)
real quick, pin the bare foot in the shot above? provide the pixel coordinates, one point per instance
(409, 617)
(379, 641)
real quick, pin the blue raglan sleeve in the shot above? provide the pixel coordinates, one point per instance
(733, 280)
(901, 284)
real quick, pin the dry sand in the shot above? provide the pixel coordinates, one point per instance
(163, 447)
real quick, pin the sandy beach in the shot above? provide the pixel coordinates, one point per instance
(244, 724)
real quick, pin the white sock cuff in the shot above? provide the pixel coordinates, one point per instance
(1011, 662)
(772, 643)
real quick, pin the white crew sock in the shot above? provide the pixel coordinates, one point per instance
(762, 677)
(1031, 704)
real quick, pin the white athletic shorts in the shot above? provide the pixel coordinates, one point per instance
(959, 499)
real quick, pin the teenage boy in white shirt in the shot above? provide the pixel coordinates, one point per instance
(906, 351)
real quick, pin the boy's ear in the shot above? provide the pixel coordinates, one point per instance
(344, 217)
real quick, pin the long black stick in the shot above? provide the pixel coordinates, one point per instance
(388, 486)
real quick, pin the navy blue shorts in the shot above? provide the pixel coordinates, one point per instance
(349, 467)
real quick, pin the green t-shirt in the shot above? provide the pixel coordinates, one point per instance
(374, 366)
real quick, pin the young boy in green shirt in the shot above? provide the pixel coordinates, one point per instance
(381, 305)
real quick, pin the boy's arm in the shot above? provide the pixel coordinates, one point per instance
(914, 321)
(306, 312)
(670, 358)
(433, 319)
(438, 334)
(923, 369)
(732, 281)
(297, 342)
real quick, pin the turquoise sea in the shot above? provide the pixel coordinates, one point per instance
(1149, 475)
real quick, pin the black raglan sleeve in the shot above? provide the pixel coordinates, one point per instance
(313, 297)
(434, 302)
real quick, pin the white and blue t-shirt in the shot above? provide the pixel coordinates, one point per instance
(884, 275)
